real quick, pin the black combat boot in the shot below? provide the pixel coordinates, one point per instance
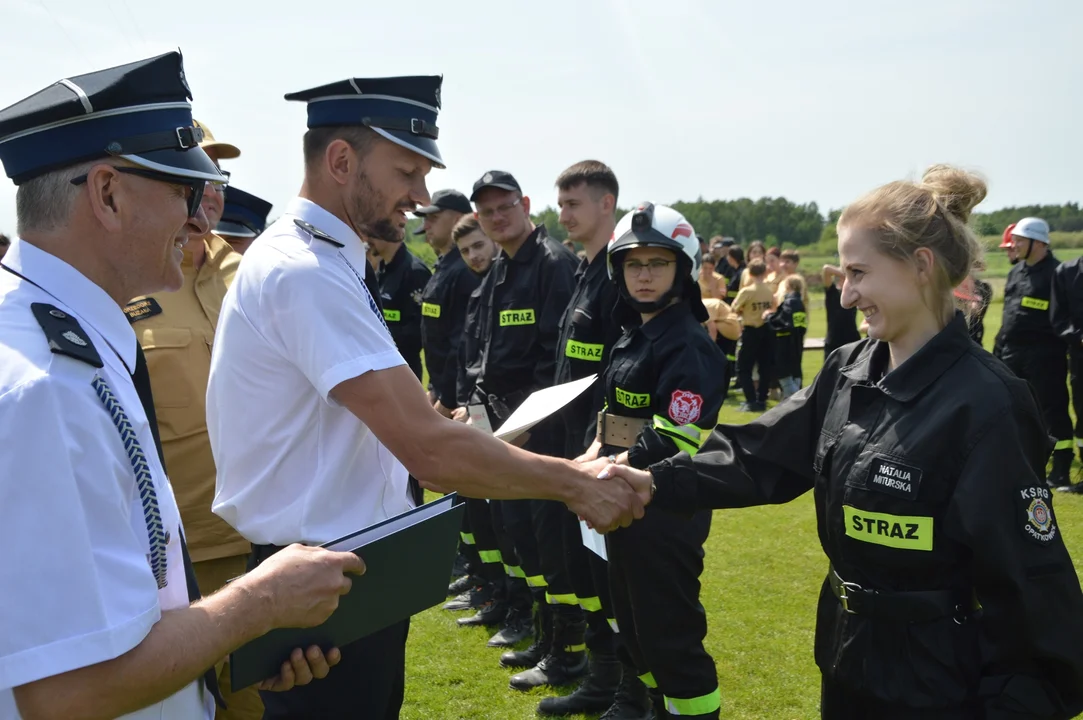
(1060, 475)
(566, 660)
(491, 612)
(632, 701)
(595, 694)
(473, 599)
(518, 626)
(543, 639)
(464, 584)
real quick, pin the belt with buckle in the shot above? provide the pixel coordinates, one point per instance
(619, 431)
(909, 606)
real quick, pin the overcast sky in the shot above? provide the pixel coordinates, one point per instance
(814, 101)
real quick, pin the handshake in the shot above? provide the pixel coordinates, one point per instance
(610, 496)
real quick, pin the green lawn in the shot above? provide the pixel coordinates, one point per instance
(763, 570)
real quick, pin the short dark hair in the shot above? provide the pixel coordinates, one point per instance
(466, 225)
(592, 172)
(737, 254)
(317, 139)
(4, 239)
(757, 268)
(791, 255)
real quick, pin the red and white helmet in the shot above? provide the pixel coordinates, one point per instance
(651, 225)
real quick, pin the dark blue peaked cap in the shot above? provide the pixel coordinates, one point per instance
(139, 112)
(401, 109)
(244, 215)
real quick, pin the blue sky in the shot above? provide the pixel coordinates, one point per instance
(815, 101)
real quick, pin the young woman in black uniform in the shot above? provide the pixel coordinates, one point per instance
(663, 394)
(950, 593)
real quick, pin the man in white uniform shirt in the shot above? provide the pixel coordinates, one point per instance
(309, 403)
(96, 617)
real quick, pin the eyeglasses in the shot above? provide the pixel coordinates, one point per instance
(654, 267)
(488, 213)
(219, 186)
(194, 188)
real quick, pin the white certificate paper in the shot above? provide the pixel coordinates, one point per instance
(540, 405)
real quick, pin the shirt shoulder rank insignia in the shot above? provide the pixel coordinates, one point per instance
(315, 232)
(142, 309)
(65, 335)
(1036, 517)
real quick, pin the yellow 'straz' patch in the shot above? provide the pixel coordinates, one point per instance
(905, 532)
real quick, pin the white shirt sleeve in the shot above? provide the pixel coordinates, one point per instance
(320, 317)
(75, 586)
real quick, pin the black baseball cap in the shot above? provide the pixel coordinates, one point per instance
(446, 200)
(496, 179)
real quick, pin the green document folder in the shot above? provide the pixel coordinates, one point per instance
(408, 561)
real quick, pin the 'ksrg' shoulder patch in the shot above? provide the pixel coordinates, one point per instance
(1036, 518)
(142, 309)
(894, 478)
(65, 335)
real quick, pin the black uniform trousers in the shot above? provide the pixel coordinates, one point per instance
(654, 569)
(729, 348)
(589, 575)
(486, 546)
(1045, 367)
(838, 702)
(757, 349)
(368, 682)
(1075, 373)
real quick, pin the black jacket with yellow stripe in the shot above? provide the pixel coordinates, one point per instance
(443, 317)
(667, 372)
(1028, 294)
(926, 478)
(588, 331)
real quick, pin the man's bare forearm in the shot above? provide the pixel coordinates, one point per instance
(180, 647)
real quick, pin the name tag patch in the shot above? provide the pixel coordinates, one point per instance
(516, 317)
(893, 478)
(430, 310)
(142, 309)
(1037, 519)
(905, 532)
(633, 400)
(1034, 303)
(392, 315)
(584, 351)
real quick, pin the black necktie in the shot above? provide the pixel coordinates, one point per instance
(141, 379)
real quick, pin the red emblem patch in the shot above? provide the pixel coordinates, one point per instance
(685, 407)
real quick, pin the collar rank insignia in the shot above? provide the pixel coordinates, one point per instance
(316, 232)
(65, 335)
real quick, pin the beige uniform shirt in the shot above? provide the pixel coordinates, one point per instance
(724, 319)
(176, 330)
(751, 302)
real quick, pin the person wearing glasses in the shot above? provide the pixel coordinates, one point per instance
(95, 612)
(521, 302)
(662, 397)
(176, 331)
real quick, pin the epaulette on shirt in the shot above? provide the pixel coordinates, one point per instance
(65, 335)
(316, 232)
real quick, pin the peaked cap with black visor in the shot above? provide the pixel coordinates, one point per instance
(650, 225)
(139, 112)
(400, 109)
(243, 214)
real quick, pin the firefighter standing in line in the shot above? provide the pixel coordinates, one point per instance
(951, 592)
(402, 278)
(662, 398)
(1028, 343)
(1066, 311)
(521, 302)
(587, 197)
(1013, 258)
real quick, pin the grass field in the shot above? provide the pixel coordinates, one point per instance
(763, 571)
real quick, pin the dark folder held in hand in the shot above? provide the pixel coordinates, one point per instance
(408, 561)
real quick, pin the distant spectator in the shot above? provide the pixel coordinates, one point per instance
(789, 266)
(756, 251)
(711, 284)
(774, 275)
(5, 243)
(735, 258)
(841, 322)
(789, 323)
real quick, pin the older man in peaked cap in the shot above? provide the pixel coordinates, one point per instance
(97, 612)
